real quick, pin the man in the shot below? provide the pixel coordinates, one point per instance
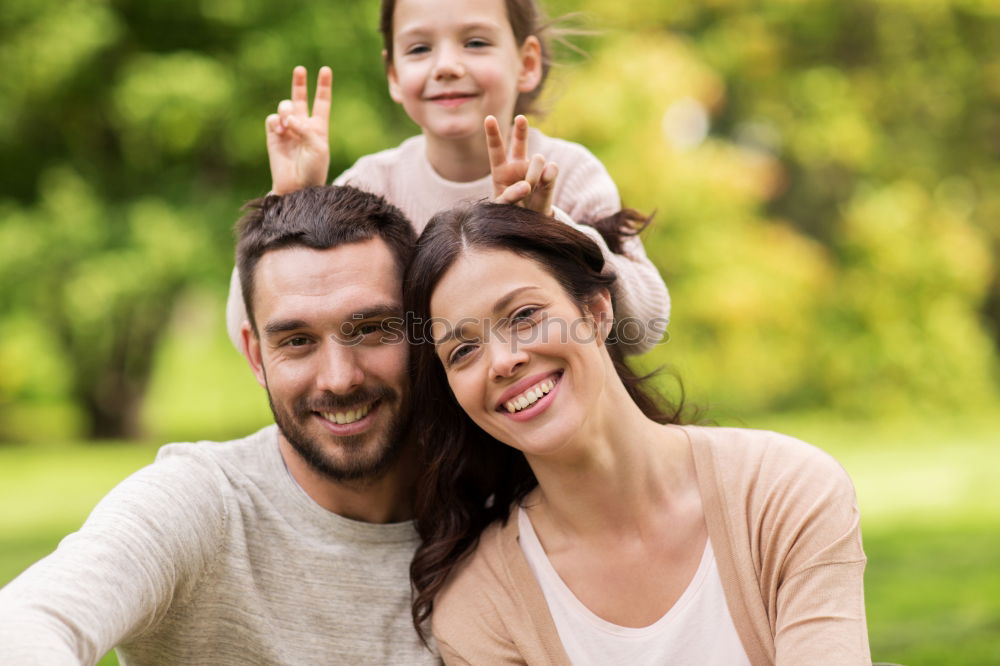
(291, 545)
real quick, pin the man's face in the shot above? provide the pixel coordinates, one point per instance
(332, 355)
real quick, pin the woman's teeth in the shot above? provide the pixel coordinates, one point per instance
(529, 397)
(349, 416)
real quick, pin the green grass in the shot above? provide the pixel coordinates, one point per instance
(929, 498)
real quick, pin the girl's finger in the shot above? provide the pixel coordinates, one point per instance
(273, 124)
(549, 175)
(519, 139)
(494, 142)
(515, 193)
(300, 91)
(285, 109)
(535, 168)
(321, 105)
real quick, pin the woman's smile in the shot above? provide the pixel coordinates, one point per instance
(530, 397)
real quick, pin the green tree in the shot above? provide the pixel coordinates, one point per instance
(826, 180)
(130, 133)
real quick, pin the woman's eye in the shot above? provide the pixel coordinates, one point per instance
(459, 353)
(525, 314)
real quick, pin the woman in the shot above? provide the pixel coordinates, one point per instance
(566, 518)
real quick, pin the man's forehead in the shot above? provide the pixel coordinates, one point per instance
(334, 282)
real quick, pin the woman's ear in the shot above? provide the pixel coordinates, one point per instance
(602, 311)
(531, 65)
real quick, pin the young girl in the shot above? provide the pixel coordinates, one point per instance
(452, 66)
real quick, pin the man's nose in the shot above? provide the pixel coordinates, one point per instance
(339, 371)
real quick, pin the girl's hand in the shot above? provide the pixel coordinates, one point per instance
(517, 180)
(298, 144)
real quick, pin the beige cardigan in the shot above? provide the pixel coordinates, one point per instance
(784, 525)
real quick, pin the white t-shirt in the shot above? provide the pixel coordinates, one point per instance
(698, 629)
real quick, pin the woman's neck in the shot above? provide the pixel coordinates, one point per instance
(617, 477)
(459, 160)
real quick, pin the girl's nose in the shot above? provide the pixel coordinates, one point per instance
(448, 64)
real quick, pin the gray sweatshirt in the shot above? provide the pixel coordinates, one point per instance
(214, 555)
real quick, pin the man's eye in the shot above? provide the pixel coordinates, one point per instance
(367, 329)
(297, 341)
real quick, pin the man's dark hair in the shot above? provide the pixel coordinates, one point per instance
(320, 218)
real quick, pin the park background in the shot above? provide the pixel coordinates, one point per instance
(826, 181)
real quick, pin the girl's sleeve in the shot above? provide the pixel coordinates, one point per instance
(588, 194)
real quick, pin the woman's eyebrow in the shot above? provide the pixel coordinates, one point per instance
(504, 301)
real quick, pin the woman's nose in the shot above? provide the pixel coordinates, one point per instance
(506, 356)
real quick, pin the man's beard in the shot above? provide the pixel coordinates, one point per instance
(357, 464)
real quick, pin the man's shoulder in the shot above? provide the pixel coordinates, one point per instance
(247, 450)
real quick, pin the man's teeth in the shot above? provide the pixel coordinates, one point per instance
(529, 397)
(349, 416)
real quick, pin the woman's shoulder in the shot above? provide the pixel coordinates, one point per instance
(762, 463)
(749, 445)
(477, 614)
(481, 577)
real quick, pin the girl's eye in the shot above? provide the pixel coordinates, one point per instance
(477, 43)
(418, 49)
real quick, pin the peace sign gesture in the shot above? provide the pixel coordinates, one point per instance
(298, 144)
(517, 180)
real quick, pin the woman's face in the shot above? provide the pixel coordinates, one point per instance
(522, 359)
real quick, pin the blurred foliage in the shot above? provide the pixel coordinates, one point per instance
(826, 177)
(827, 187)
(130, 134)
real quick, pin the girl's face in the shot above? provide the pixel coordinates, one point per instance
(455, 63)
(522, 359)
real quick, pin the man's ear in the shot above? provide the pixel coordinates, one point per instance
(603, 313)
(390, 73)
(250, 344)
(531, 65)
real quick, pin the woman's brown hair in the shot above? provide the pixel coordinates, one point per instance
(468, 478)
